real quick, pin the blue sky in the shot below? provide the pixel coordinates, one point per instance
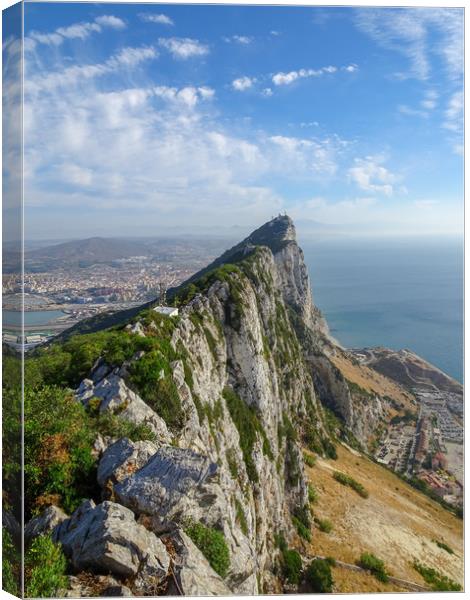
(150, 119)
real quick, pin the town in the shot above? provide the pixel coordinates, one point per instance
(430, 447)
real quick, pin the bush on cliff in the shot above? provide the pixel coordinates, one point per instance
(318, 576)
(211, 542)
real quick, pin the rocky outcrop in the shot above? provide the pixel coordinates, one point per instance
(176, 484)
(107, 539)
(192, 574)
(112, 394)
(249, 362)
(44, 523)
(123, 458)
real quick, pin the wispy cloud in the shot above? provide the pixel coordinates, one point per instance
(243, 83)
(371, 176)
(110, 21)
(417, 33)
(288, 78)
(125, 58)
(406, 110)
(75, 31)
(183, 48)
(453, 121)
(189, 96)
(156, 18)
(239, 39)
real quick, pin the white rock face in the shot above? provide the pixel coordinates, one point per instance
(114, 396)
(123, 458)
(234, 466)
(193, 574)
(175, 484)
(107, 538)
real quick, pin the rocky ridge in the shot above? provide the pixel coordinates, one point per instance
(254, 375)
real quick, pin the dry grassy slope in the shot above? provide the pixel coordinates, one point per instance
(395, 522)
(372, 381)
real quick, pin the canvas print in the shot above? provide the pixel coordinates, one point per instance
(232, 299)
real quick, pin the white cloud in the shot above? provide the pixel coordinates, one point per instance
(154, 18)
(75, 31)
(267, 92)
(243, 83)
(418, 33)
(430, 100)
(288, 78)
(110, 21)
(453, 121)
(190, 96)
(306, 158)
(239, 39)
(370, 176)
(412, 112)
(184, 48)
(70, 76)
(454, 112)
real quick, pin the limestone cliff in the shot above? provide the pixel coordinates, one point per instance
(251, 368)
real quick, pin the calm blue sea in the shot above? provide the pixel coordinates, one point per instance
(398, 294)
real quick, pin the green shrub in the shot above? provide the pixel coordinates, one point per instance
(331, 561)
(301, 521)
(437, 581)
(352, 483)
(444, 546)
(324, 525)
(160, 393)
(45, 567)
(249, 428)
(230, 455)
(318, 576)
(59, 465)
(11, 564)
(280, 541)
(329, 448)
(373, 564)
(312, 494)
(211, 542)
(291, 566)
(309, 460)
(241, 517)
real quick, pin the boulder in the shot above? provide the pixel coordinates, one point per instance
(192, 574)
(107, 539)
(87, 585)
(11, 525)
(44, 523)
(123, 458)
(136, 328)
(114, 396)
(174, 485)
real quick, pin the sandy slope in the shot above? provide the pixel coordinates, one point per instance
(396, 523)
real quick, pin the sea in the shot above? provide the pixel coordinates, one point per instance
(393, 293)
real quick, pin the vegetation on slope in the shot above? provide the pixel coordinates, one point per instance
(371, 563)
(352, 483)
(437, 581)
(249, 429)
(211, 542)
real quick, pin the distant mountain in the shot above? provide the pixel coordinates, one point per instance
(85, 252)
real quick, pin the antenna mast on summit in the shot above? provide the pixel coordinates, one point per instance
(162, 296)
